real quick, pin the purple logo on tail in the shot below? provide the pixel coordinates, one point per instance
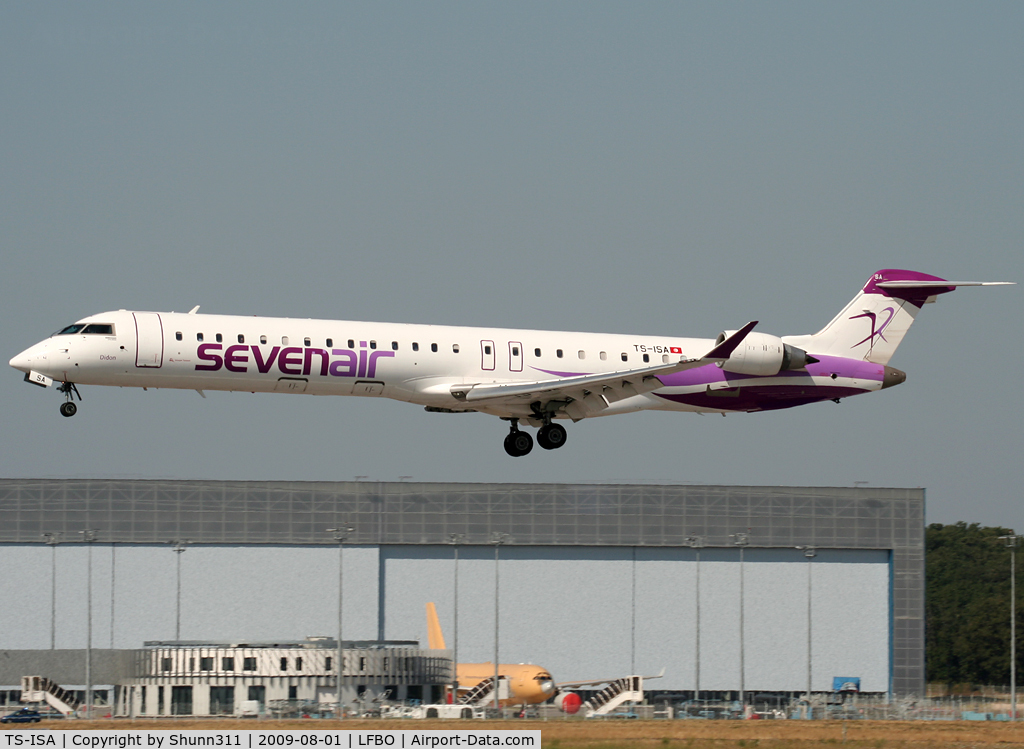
(876, 330)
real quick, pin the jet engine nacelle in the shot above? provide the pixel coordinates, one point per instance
(763, 354)
(569, 702)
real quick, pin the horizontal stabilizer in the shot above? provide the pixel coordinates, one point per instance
(939, 284)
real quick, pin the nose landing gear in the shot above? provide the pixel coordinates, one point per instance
(68, 407)
(517, 443)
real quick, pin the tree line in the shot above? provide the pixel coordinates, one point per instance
(967, 604)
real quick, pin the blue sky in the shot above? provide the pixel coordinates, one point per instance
(663, 168)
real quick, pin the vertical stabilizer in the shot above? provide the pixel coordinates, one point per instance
(435, 638)
(873, 324)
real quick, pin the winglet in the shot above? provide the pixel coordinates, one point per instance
(435, 638)
(724, 349)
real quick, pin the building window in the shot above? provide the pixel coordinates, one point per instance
(159, 700)
(165, 664)
(241, 338)
(293, 692)
(284, 664)
(227, 664)
(387, 664)
(177, 336)
(362, 663)
(328, 663)
(249, 664)
(206, 663)
(415, 346)
(219, 337)
(191, 664)
(298, 663)
(142, 701)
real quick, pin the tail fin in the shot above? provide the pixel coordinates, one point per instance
(873, 324)
(435, 638)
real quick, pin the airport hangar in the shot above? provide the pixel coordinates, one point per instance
(593, 581)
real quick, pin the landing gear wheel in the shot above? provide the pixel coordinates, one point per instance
(68, 409)
(518, 444)
(551, 436)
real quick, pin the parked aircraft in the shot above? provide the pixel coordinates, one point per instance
(527, 377)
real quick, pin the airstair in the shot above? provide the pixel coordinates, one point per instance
(41, 689)
(483, 693)
(618, 692)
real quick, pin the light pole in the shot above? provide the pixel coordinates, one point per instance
(741, 540)
(1011, 543)
(454, 539)
(696, 543)
(809, 552)
(88, 535)
(52, 539)
(340, 534)
(497, 539)
(178, 548)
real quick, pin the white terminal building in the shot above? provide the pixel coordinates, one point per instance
(207, 594)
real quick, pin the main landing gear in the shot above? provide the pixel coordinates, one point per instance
(551, 436)
(68, 407)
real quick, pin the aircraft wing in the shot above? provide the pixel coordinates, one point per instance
(585, 394)
(595, 682)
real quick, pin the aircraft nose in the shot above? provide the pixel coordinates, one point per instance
(23, 361)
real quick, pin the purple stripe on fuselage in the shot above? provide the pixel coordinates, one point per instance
(826, 366)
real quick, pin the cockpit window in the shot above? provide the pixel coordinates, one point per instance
(70, 329)
(99, 328)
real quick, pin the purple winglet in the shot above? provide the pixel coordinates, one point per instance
(724, 349)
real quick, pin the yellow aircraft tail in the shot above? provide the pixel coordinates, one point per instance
(435, 637)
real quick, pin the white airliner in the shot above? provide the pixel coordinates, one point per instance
(521, 376)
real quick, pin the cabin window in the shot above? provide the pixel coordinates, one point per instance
(455, 348)
(604, 356)
(220, 338)
(330, 342)
(199, 336)
(177, 336)
(263, 339)
(487, 350)
(351, 343)
(284, 664)
(625, 357)
(305, 341)
(227, 664)
(394, 345)
(515, 351)
(415, 346)
(373, 344)
(99, 329)
(583, 354)
(433, 347)
(664, 358)
(647, 357)
(558, 353)
(284, 340)
(536, 352)
(241, 338)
